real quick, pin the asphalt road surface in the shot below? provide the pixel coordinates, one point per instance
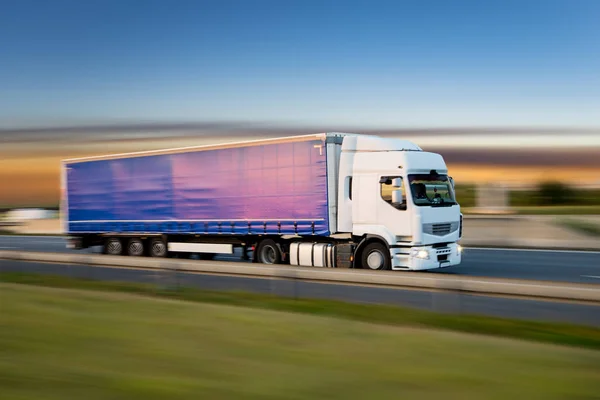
(561, 266)
(432, 301)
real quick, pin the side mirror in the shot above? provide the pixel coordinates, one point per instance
(397, 197)
(451, 181)
(397, 182)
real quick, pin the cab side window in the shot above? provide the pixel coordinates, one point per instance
(349, 187)
(390, 184)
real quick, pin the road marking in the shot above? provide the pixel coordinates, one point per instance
(591, 276)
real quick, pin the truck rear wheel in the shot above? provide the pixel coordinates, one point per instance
(113, 247)
(375, 256)
(269, 252)
(158, 248)
(135, 248)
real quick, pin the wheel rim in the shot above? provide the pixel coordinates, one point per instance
(136, 248)
(268, 255)
(114, 247)
(158, 249)
(375, 260)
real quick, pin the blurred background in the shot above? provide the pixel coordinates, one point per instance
(508, 92)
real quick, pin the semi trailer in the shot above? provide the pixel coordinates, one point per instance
(333, 200)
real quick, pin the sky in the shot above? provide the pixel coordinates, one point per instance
(506, 91)
(379, 64)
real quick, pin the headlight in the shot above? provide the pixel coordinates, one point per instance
(422, 254)
(459, 249)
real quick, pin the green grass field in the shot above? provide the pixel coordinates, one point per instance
(76, 344)
(584, 201)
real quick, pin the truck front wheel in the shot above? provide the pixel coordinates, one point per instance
(375, 256)
(269, 252)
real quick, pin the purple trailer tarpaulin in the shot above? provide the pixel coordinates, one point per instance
(276, 187)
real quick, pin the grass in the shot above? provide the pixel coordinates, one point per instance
(584, 201)
(59, 344)
(586, 228)
(554, 333)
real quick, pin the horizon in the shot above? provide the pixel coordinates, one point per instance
(30, 168)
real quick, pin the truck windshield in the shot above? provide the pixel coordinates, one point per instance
(431, 190)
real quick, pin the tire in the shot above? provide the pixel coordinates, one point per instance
(135, 247)
(375, 256)
(158, 248)
(113, 247)
(268, 252)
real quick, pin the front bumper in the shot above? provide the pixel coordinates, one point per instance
(426, 257)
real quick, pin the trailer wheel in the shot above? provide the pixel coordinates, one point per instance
(135, 248)
(158, 248)
(113, 247)
(268, 252)
(375, 256)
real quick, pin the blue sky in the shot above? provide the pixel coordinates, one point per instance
(368, 64)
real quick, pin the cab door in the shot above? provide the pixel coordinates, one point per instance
(364, 190)
(392, 206)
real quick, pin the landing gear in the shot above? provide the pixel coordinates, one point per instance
(245, 255)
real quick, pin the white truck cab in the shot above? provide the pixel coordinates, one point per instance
(392, 190)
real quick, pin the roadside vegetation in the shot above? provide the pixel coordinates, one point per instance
(552, 198)
(62, 343)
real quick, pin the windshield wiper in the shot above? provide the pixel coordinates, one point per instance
(443, 204)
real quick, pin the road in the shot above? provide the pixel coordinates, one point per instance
(561, 266)
(421, 299)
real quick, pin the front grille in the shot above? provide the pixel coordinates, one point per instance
(442, 257)
(441, 229)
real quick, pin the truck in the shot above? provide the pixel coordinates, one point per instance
(330, 200)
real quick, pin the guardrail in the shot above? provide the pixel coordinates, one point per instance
(538, 290)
